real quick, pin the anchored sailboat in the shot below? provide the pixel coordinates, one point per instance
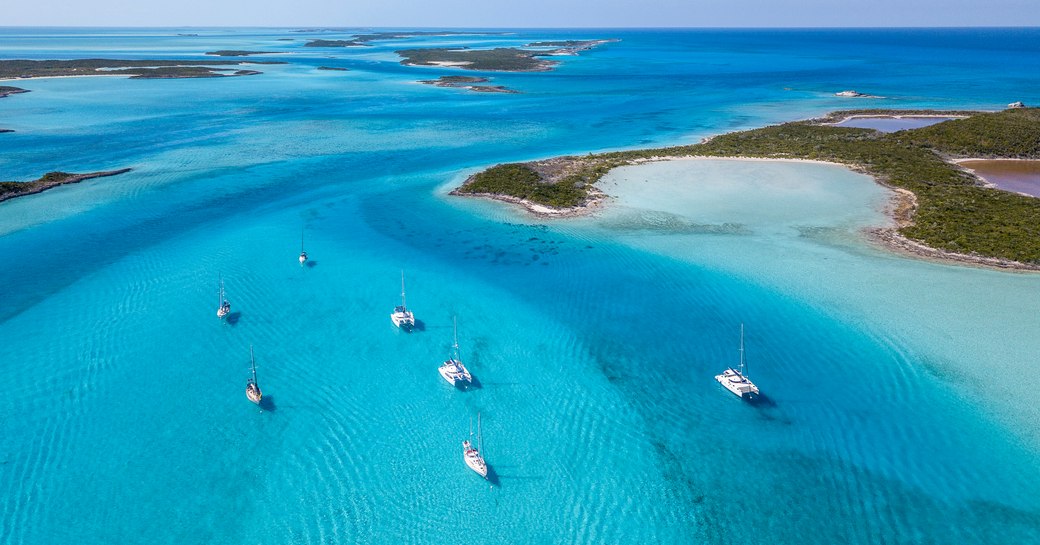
(252, 388)
(452, 370)
(303, 253)
(736, 380)
(402, 317)
(472, 455)
(224, 307)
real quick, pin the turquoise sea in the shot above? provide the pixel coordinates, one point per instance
(900, 396)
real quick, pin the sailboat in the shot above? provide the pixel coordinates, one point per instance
(736, 380)
(472, 455)
(224, 306)
(402, 317)
(252, 388)
(303, 253)
(452, 370)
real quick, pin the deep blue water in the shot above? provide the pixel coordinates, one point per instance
(124, 414)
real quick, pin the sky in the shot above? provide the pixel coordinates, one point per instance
(522, 13)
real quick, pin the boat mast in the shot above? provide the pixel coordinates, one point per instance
(301, 240)
(220, 293)
(742, 363)
(480, 442)
(455, 347)
(252, 364)
(402, 289)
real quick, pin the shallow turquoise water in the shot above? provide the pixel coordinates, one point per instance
(595, 341)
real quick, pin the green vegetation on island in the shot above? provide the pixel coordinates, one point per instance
(467, 82)
(10, 190)
(334, 68)
(159, 69)
(952, 210)
(501, 59)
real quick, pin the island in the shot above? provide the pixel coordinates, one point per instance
(7, 90)
(499, 59)
(941, 210)
(467, 82)
(335, 68)
(141, 69)
(238, 53)
(10, 190)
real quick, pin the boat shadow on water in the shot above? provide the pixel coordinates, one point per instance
(418, 326)
(761, 401)
(233, 317)
(492, 477)
(311, 264)
(464, 386)
(267, 403)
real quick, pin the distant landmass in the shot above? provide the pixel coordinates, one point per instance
(142, 69)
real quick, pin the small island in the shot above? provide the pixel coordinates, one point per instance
(10, 190)
(237, 53)
(942, 211)
(7, 90)
(467, 82)
(854, 94)
(140, 69)
(334, 68)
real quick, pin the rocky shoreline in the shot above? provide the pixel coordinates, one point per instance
(50, 181)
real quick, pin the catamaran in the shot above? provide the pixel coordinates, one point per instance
(472, 455)
(452, 370)
(224, 306)
(303, 253)
(252, 388)
(736, 380)
(402, 317)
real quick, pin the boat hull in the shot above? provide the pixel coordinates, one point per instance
(738, 385)
(403, 320)
(455, 374)
(474, 460)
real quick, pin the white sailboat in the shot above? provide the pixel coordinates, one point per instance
(303, 253)
(471, 455)
(453, 370)
(224, 307)
(736, 380)
(402, 317)
(252, 387)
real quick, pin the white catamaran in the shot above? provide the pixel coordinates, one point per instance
(224, 306)
(402, 317)
(252, 388)
(452, 370)
(472, 455)
(736, 380)
(303, 253)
